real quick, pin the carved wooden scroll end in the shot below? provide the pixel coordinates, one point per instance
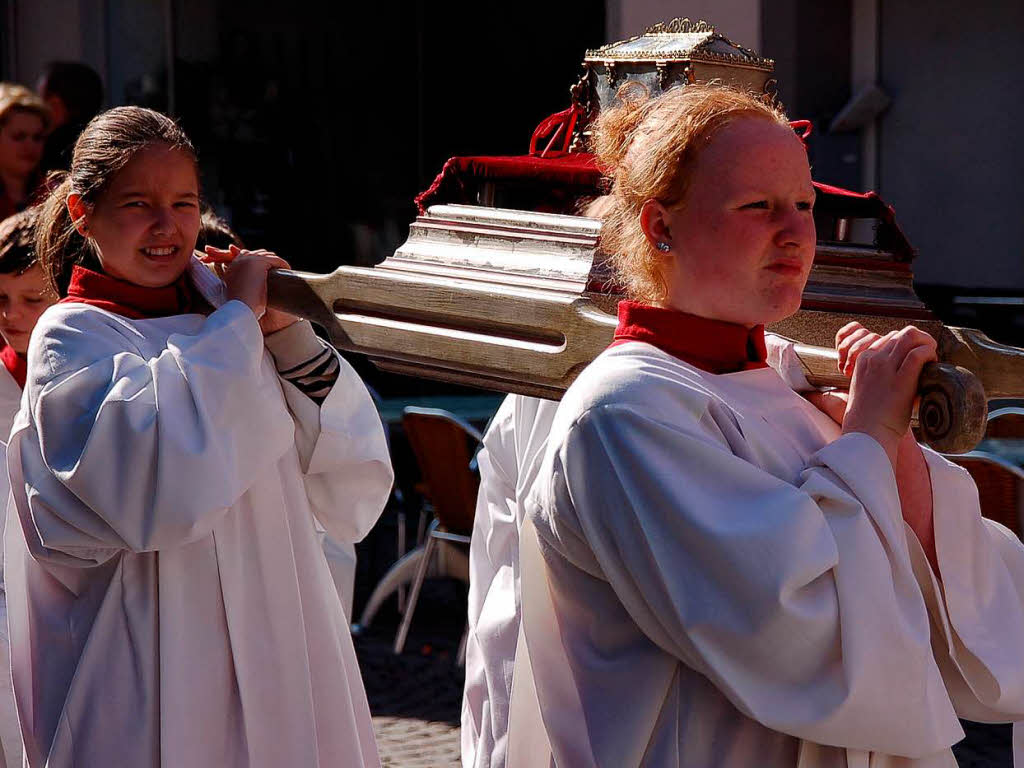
(953, 408)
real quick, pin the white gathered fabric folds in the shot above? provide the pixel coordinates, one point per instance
(512, 449)
(10, 733)
(509, 461)
(169, 601)
(713, 576)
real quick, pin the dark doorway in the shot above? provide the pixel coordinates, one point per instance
(318, 125)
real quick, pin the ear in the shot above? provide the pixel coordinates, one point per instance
(79, 211)
(654, 222)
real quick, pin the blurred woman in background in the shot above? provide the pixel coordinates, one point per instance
(24, 120)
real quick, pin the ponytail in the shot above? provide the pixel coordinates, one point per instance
(59, 246)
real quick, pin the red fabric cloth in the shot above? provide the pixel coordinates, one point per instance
(15, 364)
(130, 300)
(711, 345)
(579, 169)
(558, 126)
(557, 168)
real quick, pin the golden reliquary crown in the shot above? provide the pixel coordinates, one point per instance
(667, 54)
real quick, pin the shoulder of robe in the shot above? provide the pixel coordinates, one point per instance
(532, 413)
(640, 378)
(71, 336)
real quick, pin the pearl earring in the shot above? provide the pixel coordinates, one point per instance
(664, 247)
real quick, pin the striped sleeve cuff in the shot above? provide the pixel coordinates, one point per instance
(303, 360)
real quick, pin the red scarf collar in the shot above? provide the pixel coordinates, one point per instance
(711, 345)
(133, 301)
(15, 364)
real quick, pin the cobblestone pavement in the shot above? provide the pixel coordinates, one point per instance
(416, 697)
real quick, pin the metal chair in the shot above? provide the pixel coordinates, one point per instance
(1006, 422)
(1000, 487)
(445, 447)
(443, 444)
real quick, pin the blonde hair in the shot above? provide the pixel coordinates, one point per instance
(649, 150)
(17, 98)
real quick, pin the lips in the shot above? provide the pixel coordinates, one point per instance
(786, 267)
(160, 252)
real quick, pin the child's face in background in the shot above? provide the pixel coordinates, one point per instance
(146, 221)
(22, 300)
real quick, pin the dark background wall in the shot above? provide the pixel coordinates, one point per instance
(810, 42)
(317, 123)
(951, 158)
(318, 127)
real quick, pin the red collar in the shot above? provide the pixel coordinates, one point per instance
(15, 364)
(130, 300)
(711, 345)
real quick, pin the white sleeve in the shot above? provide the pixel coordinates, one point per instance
(121, 451)
(492, 624)
(343, 454)
(977, 602)
(783, 358)
(494, 524)
(797, 601)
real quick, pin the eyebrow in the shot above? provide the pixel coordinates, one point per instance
(143, 193)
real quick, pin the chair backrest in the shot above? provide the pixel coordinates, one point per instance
(1000, 487)
(442, 444)
(1006, 422)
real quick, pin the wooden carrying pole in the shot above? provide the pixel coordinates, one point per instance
(503, 300)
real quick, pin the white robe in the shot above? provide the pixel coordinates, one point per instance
(10, 733)
(169, 602)
(713, 576)
(512, 448)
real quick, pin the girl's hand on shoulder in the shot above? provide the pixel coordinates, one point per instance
(245, 276)
(852, 339)
(885, 384)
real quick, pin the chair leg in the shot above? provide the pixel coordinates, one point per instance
(398, 575)
(460, 657)
(400, 547)
(414, 593)
(421, 527)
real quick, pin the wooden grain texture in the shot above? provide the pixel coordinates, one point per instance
(509, 338)
(499, 299)
(535, 342)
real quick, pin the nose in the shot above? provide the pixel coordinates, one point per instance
(163, 221)
(10, 310)
(795, 230)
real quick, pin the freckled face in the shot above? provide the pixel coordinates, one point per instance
(22, 300)
(146, 222)
(743, 239)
